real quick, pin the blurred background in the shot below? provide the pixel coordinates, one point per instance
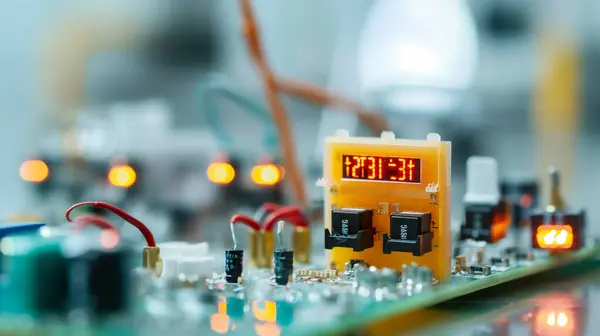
(156, 105)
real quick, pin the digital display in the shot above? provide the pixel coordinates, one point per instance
(381, 168)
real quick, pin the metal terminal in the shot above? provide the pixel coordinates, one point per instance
(524, 256)
(480, 270)
(280, 225)
(301, 244)
(151, 259)
(480, 256)
(424, 277)
(388, 279)
(460, 264)
(347, 269)
(497, 261)
(233, 237)
(556, 200)
(261, 245)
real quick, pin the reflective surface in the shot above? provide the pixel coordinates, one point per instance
(566, 308)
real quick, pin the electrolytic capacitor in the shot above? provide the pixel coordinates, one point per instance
(284, 266)
(234, 265)
(109, 283)
(284, 260)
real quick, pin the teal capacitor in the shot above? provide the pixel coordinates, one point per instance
(37, 276)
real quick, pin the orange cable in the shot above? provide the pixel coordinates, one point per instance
(288, 150)
(312, 93)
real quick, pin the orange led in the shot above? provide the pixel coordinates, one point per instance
(267, 329)
(267, 174)
(554, 237)
(551, 322)
(36, 171)
(267, 313)
(220, 172)
(219, 323)
(122, 176)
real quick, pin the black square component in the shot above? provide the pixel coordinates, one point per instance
(349, 221)
(409, 225)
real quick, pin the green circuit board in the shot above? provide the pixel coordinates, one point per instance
(309, 306)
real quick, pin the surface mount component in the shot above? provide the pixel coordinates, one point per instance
(410, 232)
(487, 216)
(351, 228)
(388, 201)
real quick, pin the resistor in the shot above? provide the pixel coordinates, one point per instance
(284, 260)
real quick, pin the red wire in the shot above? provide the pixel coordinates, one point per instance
(249, 221)
(270, 207)
(291, 213)
(121, 213)
(96, 220)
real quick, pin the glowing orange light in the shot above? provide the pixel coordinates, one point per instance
(122, 176)
(222, 305)
(554, 236)
(220, 173)
(267, 329)
(219, 323)
(267, 174)
(549, 322)
(109, 239)
(268, 313)
(380, 168)
(34, 171)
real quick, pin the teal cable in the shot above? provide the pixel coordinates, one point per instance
(213, 85)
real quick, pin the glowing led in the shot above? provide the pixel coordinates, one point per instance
(268, 174)
(220, 173)
(109, 239)
(122, 176)
(554, 236)
(219, 323)
(551, 319)
(267, 313)
(562, 320)
(34, 171)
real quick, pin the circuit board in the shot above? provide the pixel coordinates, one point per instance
(388, 250)
(315, 303)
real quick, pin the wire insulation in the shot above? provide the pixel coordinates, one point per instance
(213, 85)
(144, 230)
(292, 214)
(249, 221)
(95, 220)
(280, 118)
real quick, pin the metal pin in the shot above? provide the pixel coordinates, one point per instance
(235, 244)
(556, 201)
(280, 225)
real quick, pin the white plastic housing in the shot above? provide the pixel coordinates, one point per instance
(482, 181)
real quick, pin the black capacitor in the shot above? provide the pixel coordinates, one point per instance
(284, 266)
(50, 288)
(108, 281)
(234, 265)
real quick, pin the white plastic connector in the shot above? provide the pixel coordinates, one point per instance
(482, 181)
(194, 269)
(177, 249)
(181, 259)
(169, 267)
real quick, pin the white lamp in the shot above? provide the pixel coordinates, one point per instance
(417, 56)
